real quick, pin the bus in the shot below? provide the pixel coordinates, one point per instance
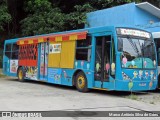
(105, 58)
(156, 36)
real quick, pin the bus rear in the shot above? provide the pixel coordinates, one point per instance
(136, 60)
(10, 57)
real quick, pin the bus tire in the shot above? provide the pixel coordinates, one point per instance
(20, 74)
(81, 82)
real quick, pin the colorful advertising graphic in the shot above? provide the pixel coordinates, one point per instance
(31, 72)
(44, 59)
(55, 75)
(13, 66)
(55, 48)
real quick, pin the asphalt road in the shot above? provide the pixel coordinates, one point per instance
(39, 96)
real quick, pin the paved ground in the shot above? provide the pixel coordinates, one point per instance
(39, 96)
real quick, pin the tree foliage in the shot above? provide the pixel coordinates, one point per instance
(5, 17)
(31, 17)
(77, 19)
(101, 4)
(42, 18)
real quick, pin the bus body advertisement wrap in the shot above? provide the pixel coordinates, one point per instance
(107, 58)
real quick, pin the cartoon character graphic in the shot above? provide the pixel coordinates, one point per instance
(76, 63)
(140, 74)
(107, 67)
(145, 63)
(124, 61)
(97, 67)
(65, 74)
(82, 63)
(152, 75)
(135, 73)
(113, 68)
(125, 77)
(147, 74)
(50, 48)
(88, 66)
(13, 67)
(130, 85)
(150, 84)
(57, 77)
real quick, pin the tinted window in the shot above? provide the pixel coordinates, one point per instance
(83, 51)
(14, 55)
(83, 54)
(8, 54)
(15, 47)
(8, 47)
(84, 43)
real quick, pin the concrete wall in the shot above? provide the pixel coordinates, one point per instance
(124, 15)
(112, 16)
(142, 17)
(152, 27)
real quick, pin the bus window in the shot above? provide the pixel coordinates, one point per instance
(11, 51)
(82, 54)
(15, 47)
(83, 51)
(8, 50)
(8, 47)
(137, 51)
(14, 55)
(8, 54)
(84, 43)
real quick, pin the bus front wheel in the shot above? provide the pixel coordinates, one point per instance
(21, 74)
(81, 82)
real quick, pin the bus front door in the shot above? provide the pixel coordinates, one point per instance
(43, 61)
(102, 58)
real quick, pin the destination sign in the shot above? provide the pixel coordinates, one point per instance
(133, 32)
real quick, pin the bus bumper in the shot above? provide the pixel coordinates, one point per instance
(135, 85)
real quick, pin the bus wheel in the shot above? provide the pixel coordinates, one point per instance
(81, 82)
(21, 74)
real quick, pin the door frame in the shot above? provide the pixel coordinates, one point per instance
(94, 53)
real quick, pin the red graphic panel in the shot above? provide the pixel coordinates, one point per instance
(28, 55)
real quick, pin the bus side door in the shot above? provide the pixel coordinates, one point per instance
(104, 58)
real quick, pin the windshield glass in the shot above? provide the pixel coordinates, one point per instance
(137, 53)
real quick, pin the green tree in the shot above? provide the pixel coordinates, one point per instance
(101, 4)
(77, 19)
(42, 18)
(5, 17)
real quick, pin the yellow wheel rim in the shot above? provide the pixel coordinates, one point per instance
(20, 74)
(81, 82)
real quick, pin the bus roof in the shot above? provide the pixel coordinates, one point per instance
(88, 30)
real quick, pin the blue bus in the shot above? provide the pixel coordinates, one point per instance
(106, 58)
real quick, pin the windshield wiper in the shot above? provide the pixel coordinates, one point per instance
(134, 46)
(137, 48)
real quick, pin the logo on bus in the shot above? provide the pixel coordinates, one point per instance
(142, 84)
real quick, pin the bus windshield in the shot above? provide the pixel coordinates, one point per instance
(137, 52)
